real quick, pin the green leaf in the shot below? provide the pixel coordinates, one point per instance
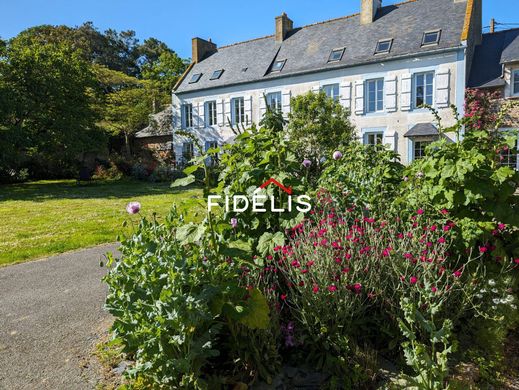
(257, 313)
(190, 169)
(268, 241)
(183, 182)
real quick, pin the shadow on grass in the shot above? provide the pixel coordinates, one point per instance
(69, 189)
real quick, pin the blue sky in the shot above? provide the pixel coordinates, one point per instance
(176, 22)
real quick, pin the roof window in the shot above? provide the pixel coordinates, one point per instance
(336, 55)
(431, 38)
(216, 74)
(384, 46)
(195, 78)
(278, 66)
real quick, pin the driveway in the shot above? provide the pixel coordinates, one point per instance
(51, 315)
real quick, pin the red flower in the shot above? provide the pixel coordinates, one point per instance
(444, 211)
(332, 288)
(304, 271)
(346, 270)
(441, 240)
(419, 211)
(483, 249)
(315, 288)
(357, 288)
(310, 263)
(434, 289)
(283, 297)
(457, 273)
(413, 279)
(446, 228)
(516, 261)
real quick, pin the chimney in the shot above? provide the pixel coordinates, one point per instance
(368, 10)
(201, 49)
(492, 25)
(283, 26)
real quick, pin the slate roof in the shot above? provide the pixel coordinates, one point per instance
(160, 125)
(422, 129)
(308, 48)
(495, 50)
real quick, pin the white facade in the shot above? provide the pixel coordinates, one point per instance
(386, 113)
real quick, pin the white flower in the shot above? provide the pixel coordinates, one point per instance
(492, 282)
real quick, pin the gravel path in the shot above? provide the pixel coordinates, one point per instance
(51, 314)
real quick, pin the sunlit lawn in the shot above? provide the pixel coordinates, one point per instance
(42, 218)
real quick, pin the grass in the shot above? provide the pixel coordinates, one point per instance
(49, 217)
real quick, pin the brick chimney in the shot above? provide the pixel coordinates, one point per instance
(283, 25)
(368, 10)
(201, 49)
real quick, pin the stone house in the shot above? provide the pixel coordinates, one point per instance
(382, 64)
(496, 69)
(155, 142)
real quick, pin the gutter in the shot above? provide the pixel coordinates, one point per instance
(183, 77)
(304, 72)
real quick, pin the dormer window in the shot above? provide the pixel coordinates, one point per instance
(195, 78)
(336, 55)
(431, 38)
(278, 66)
(216, 74)
(384, 46)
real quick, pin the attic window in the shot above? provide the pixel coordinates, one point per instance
(216, 74)
(336, 55)
(278, 66)
(195, 78)
(384, 46)
(431, 38)
(244, 69)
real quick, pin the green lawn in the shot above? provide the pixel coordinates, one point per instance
(49, 217)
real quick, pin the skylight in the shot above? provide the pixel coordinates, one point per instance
(278, 65)
(384, 46)
(431, 37)
(336, 55)
(216, 74)
(195, 78)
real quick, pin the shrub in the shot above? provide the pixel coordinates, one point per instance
(368, 176)
(140, 171)
(103, 173)
(163, 173)
(177, 302)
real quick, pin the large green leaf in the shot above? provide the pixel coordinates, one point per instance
(185, 181)
(257, 314)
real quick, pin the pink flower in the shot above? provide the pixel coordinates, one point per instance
(444, 211)
(516, 261)
(310, 263)
(434, 289)
(457, 273)
(441, 240)
(234, 222)
(357, 287)
(501, 226)
(332, 288)
(483, 249)
(446, 228)
(315, 289)
(307, 163)
(133, 208)
(346, 270)
(337, 155)
(419, 211)
(413, 279)
(283, 297)
(387, 251)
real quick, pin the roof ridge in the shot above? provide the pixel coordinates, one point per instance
(501, 31)
(316, 24)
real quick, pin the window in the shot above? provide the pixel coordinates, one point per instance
(508, 157)
(278, 65)
(515, 89)
(187, 115)
(419, 148)
(373, 138)
(238, 110)
(336, 55)
(423, 89)
(331, 90)
(216, 74)
(274, 101)
(384, 46)
(187, 151)
(213, 159)
(210, 145)
(210, 113)
(375, 95)
(195, 78)
(431, 38)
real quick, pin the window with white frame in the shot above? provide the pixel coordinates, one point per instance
(187, 115)
(423, 89)
(210, 113)
(509, 157)
(274, 101)
(419, 146)
(515, 84)
(373, 138)
(188, 151)
(331, 90)
(238, 110)
(375, 95)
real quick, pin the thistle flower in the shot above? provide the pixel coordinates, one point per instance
(133, 208)
(307, 163)
(337, 155)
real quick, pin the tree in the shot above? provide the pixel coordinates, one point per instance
(126, 112)
(317, 126)
(50, 111)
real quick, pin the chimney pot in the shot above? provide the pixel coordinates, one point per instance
(368, 10)
(283, 25)
(201, 49)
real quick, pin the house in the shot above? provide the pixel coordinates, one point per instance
(496, 68)
(155, 141)
(382, 64)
